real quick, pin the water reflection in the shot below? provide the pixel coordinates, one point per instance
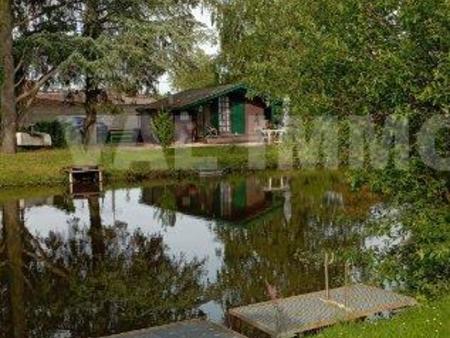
(97, 280)
(234, 201)
(96, 264)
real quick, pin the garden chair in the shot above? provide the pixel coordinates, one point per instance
(211, 132)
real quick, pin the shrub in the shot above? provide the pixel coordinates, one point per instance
(55, 129)
(164, 128)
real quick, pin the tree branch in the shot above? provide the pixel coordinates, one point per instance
(20, 64)
(18, 83)
(44, 78)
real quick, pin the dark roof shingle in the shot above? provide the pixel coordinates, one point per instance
(186, 98)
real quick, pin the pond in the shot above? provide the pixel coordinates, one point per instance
(93, 263)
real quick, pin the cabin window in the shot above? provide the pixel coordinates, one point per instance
(184, 116)
(224, 114)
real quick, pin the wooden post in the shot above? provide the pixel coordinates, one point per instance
(71, 181)
(327, 287)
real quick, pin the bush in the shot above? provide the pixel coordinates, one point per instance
(55, 129)
(164, 128)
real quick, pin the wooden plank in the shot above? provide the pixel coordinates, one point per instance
(291, 316)
(187, 329)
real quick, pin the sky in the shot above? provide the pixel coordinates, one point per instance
(204, 16)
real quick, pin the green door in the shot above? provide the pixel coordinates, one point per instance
(238, 118)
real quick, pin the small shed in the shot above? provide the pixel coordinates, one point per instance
(221, 114)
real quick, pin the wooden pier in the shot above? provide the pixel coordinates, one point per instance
(289, 317)
(188, 329)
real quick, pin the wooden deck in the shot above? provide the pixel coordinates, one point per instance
(188, 329)
(285, 318)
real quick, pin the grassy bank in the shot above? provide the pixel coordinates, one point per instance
(430, 320)
(46, 167)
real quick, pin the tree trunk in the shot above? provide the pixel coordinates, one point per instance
(93, 30)
(90, 106)
(13, 229)
(96, 232)
(7, 96)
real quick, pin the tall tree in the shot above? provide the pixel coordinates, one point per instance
(44, 45)
(127, 45)
(343, 56)
(7, 97)
(98, 46)
(201, 71)
(39, 48)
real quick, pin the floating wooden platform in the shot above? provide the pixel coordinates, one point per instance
(85, 173)
(285, 318)
(188, 329)
(85, 180)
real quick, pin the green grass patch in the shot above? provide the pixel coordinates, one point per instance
(46, 167)
(430, 320)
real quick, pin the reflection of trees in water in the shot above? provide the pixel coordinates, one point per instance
(99, 280)
(168, 206)
(287, 255)
(11, 273)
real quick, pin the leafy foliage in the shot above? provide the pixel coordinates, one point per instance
(103, 280)
(164, 128)
(99, 45)
(56, 130)
(341, 57)
(200, 72)
(352, 57)
(126, 45)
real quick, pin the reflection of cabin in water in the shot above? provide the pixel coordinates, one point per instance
(277, 184)
(227, 201)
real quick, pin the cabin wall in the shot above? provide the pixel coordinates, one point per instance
(190, 125)
(255, 118)
(184, 127)
(72, 114)
(256, 197)
(144, 126)
(128, 120)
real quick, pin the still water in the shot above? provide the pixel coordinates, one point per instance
(101, 262)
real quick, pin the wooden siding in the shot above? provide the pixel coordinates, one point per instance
(255, 117)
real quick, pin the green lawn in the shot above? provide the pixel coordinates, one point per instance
(46, 167)
(431, 321)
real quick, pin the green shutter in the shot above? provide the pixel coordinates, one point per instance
(238, 117)
(240, 196)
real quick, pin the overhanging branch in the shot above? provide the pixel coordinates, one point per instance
(37, 85)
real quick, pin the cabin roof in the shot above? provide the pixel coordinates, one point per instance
(191, 97)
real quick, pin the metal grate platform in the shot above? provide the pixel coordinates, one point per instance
(188, 329)
(291, 316)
